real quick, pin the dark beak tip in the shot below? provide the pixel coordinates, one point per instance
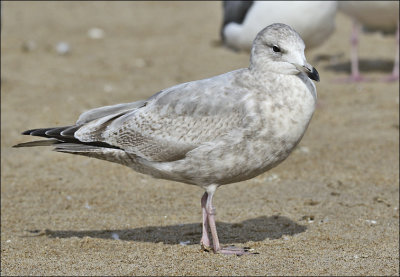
(314, 75)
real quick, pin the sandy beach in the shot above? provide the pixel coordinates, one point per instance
(330, 209)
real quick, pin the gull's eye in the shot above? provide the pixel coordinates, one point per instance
(276, 48)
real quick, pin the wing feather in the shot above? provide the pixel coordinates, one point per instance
(107, 110)
(173, 122)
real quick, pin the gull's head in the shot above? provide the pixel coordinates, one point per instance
(278, 48)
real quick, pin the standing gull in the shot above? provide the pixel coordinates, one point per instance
(210, 132)
(373, 16)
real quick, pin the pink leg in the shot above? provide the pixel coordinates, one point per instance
(355, 73)
(211, 221)
(395, 73)
(205, 241)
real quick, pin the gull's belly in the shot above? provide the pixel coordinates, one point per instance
(267, 149)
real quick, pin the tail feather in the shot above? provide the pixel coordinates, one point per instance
(76, 148)
(47, 142)
(98, 152)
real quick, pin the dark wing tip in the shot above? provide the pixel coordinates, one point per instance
(36, 132)
(46, 132)
(59, 135)
(27, 132)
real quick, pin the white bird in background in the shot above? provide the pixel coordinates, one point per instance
(242, 20)
(210, 132)
(373, 16)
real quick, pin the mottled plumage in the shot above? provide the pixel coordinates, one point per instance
(210, 132)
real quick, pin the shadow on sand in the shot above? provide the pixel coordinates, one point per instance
(256, 229)
(369, 65)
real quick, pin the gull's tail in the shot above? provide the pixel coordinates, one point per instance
(47, 142)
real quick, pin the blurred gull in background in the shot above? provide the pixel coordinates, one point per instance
(373, 16)
(313, 20)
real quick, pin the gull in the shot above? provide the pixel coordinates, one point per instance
(210, 132)
(373, 16)
(313, 20)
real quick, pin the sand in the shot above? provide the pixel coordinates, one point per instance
(330, 209)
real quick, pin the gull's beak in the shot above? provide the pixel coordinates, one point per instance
(311, 72)
(308, 69)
